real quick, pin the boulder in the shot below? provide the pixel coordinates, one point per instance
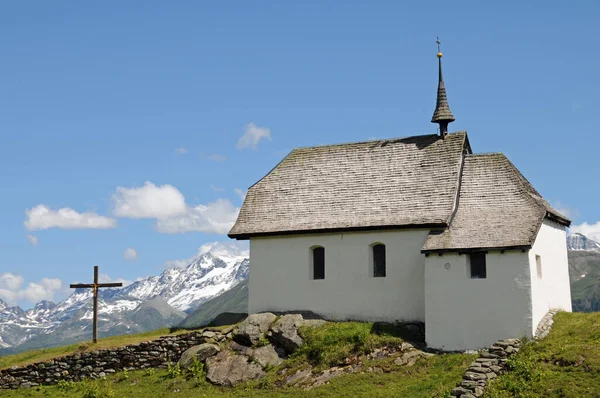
(266, 356)
(284, 332)
(229, 370)
(198, 352)
(253, 328)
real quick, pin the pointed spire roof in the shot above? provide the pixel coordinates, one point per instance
(442, 114)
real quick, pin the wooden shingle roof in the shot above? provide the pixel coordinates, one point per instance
(497, 208)
(376, 184)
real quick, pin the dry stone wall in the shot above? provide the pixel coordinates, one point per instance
(490, 364)
(96, 364)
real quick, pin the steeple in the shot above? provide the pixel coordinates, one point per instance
(442, 114)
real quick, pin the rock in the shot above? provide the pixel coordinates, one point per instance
(209, 334)
(298, 377)
(199, 352)
(284, 332)
(229, 370)
(474, 376)
(266, 356)
(458, 391)
(242, 349)
(253, 328)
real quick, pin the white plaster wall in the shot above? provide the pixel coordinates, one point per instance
(553, 290)
(463, 313)
(280, 275)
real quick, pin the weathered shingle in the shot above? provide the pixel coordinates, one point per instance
(497, 208)
(397, 182)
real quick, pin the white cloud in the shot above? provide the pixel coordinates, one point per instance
(216, 217)
(181, 151)
(167, 205)
(240, 192)
(33, 240)
(130, 254)
(252, 136)
(149, 201)
(216, 189)
(215, 157)
(592, 231)
(41, 217)
(12, 289)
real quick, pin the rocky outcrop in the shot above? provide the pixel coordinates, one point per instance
(490, 364)
(266, 356)
(198, 353)
(253, 328)
(227, 369)
(284, 332)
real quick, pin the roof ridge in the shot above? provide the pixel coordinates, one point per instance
(455, 133)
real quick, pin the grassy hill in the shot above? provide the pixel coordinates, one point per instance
(564, 364)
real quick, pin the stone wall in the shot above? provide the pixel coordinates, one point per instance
(95, 364)
(490, 364)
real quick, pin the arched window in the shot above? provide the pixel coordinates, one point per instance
(378, 260)
(318, 262)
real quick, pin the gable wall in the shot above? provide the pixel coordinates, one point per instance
(553, 290)
(464, 313)
(280, 276)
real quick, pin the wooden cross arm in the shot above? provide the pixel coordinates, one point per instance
(118, 284)
(81, 285)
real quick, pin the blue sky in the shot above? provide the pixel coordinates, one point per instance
(131, 114)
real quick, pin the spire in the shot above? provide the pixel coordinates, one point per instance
(442, 114)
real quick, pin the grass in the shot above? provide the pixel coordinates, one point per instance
(324, 346)
(428, 378)
(46, 354)
(565, 364)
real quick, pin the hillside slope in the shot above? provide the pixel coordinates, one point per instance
(234, 300)
(564, 364)
(584, 270)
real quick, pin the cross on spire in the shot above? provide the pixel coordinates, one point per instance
(94, 286)
(442, 114)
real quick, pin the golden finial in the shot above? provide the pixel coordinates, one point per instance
(439, 54)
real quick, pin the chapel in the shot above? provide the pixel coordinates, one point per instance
(418, 228)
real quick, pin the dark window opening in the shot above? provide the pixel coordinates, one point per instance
(318, 263)
(379, 261)
(477, 265)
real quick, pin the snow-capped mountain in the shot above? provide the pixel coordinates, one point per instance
(579, 242)
(150, 303)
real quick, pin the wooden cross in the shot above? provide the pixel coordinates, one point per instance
(95, 286)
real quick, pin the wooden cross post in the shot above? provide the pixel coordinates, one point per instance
(95, 286)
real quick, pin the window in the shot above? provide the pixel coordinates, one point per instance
(318, 262)
(538, 264)
(378, 260)
(477, 266)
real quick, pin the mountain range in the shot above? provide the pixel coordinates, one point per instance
(148, 304)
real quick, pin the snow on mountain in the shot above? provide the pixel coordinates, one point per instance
(579, 242)
(215, 269)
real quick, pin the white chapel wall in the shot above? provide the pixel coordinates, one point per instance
(464, 313)
(553, 289)
(280, 276)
